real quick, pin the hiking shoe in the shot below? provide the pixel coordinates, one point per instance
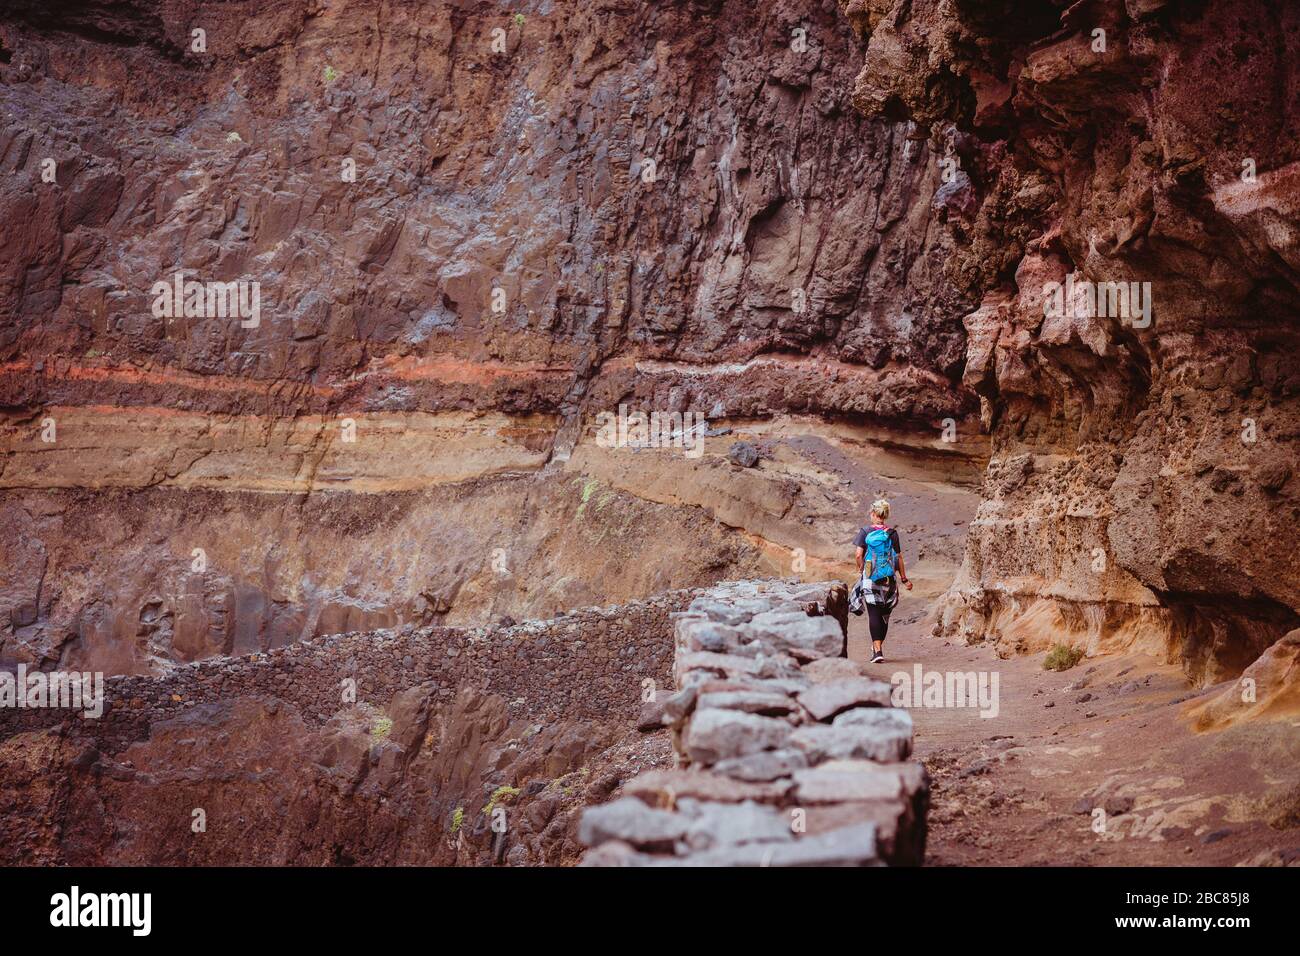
(878, 659)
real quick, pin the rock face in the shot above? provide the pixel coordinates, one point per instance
(1142, 456)
(821, 780)
(468, 208)
(417, 746)
(182, 574)
(1268, 689)
(315, 332)
(466, 234)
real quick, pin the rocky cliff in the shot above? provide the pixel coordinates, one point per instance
(310, 313)
(525, 198)
(1129, 224)
(405, 247)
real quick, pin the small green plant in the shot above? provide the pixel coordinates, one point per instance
(382, 728)
(569, 782)
(234, 137)
(331, 74)
(500, 795)
(589, 485)
(1062, 657)
(519, 19)
(457, 819)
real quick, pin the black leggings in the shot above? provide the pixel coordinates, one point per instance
(878, 618)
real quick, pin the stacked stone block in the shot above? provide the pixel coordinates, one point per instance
(786, 754)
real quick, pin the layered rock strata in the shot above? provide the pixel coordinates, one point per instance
(446, 206)
(470, 232)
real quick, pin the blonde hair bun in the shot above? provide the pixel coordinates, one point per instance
(880, 508)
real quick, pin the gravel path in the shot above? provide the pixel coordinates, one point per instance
(1103, 746)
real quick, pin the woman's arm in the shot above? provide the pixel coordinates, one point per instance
(862, 553)
(902, 567)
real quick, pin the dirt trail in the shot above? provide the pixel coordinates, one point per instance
(1020, 787)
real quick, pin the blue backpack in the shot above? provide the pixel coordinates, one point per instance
(881, 554)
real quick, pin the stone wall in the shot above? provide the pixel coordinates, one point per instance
(787, 755)
(450, 725)
(462, 747)
(587, 664)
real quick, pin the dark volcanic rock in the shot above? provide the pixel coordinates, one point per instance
(743, 453)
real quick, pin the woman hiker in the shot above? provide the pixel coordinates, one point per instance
(879, 555)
